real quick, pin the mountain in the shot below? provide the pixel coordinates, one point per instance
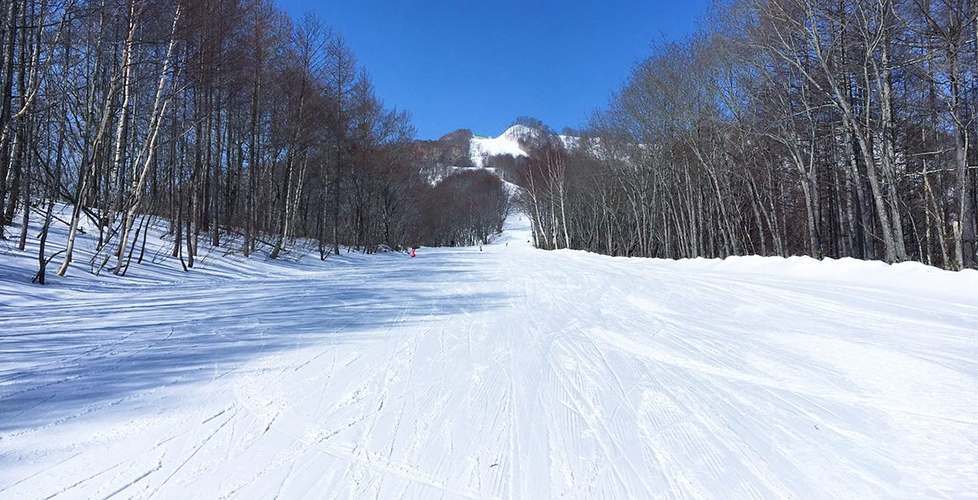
(503, 155)
(509, 143)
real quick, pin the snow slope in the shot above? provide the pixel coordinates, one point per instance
(505, 373)
(481, 148)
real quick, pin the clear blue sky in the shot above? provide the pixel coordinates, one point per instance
(463, 64)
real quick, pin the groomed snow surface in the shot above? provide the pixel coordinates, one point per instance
(506, 373)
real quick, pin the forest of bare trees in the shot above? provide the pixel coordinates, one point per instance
(229, 120)
(829, 128)
(465, 209)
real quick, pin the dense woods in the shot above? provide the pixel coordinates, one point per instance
(829, 128)
(465, 209)
(234, 123)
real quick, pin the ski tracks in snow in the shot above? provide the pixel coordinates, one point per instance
(509, 373)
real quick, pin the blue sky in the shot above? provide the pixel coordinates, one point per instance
(479, 65)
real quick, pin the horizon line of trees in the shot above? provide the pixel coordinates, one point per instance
(829, 128)
(240, 125)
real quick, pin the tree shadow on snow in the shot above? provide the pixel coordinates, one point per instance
(64, 358)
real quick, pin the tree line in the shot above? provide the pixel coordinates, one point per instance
(230, 120)
(467, 208)
(829, 128)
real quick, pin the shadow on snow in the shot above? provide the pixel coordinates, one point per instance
(65, 358)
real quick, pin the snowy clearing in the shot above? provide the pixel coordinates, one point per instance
(506, 373)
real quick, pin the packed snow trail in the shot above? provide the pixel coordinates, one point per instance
(508, 373)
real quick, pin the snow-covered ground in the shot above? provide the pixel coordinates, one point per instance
(504, 373)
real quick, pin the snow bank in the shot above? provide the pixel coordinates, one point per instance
(904, 276)
(158, 266)
(907, 276)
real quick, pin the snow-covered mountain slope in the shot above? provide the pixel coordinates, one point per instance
(504, 373)
(510, 143)
(480, 148)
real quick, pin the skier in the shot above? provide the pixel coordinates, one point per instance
(412, 251)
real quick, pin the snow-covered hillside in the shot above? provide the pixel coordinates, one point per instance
(481, 148)
(504, 373)
(510, 143)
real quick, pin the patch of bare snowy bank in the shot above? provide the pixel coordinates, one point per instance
(903, 276)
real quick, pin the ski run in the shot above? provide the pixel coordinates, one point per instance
(509, 373)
